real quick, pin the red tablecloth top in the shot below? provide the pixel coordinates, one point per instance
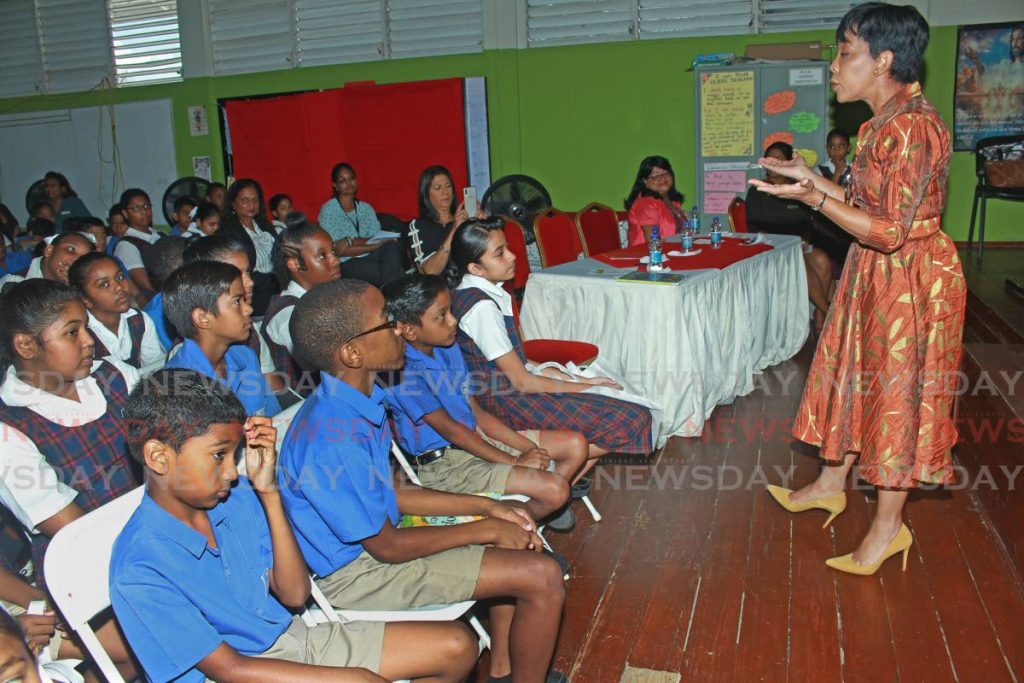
(732, 251)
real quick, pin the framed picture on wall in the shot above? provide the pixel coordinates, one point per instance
(988, 97)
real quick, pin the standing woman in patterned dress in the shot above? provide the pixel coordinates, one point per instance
(880, 388)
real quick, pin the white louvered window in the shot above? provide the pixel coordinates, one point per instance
(252, 35)
(340, 31)
(147, 46)
(555, 22)
(671, 18)
(21, 63)
(794, 15)
(74, 39)
(434, 27)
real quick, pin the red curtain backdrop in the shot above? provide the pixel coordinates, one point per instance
(389, 133)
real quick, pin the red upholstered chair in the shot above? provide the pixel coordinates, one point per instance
(557, 239)
(737, 212)
(539, 350)
(598, 228)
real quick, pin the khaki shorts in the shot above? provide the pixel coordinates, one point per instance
(461, 472)
(55, 640)
(440, 579)
(531, 434)
(356, 644)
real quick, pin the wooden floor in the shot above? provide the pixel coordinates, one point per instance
(695, 571)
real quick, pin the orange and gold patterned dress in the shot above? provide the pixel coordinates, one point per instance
(886, 366)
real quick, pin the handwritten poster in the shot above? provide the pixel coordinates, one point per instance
(725, 181)
(717, 202)
(727, 114)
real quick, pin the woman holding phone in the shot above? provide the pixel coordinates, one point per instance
(430, 235)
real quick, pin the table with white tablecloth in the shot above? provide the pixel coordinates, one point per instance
(687, 347)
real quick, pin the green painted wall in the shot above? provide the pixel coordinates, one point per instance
(578, 118)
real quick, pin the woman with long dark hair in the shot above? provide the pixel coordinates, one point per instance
(245, 222)
(879, 389)
(62, 198)
(654, 201)
(430, 235)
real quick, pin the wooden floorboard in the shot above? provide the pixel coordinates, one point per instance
(694, 582)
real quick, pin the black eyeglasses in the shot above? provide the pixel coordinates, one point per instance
(389, 325)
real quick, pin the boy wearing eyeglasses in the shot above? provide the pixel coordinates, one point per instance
(336, 485)
(137, 238)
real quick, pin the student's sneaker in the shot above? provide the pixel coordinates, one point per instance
(581, 488)
(561, 520)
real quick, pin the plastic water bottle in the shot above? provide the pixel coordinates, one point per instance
(654, 256)
(716, 233)
(695, 220)
(687, 239)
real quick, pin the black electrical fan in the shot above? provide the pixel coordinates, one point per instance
(517, 196)
(193, 187)
(35, 195)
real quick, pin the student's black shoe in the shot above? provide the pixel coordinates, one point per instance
(556, 677)
(561, 520)
(562, 562)
(581, 488)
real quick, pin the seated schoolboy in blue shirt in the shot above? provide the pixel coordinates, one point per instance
(205, 301)
(204, 572)
(456, 445)
(338, 492)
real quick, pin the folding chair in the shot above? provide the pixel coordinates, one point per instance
(557, 238)
(77, 567)
(598, 228)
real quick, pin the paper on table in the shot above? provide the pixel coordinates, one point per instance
(382, 236)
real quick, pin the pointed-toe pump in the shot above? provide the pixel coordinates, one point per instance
(900, 544)
(833, 504)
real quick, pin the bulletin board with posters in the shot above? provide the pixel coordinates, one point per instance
(988, 98)
(743, 108)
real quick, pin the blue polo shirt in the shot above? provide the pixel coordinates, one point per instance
(177, 599)
(334, 473)
(244, 376)
(16, 262)
(430, 382)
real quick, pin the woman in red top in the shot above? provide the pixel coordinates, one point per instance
(654, 200)
(880, 388)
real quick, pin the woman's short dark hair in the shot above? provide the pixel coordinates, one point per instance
(411, 295)
(29, 307)
(338, 168)
(469, 244)
(784, 147)
(196, 285)
(65, 187)
(898, 28)
(647, 166)
(427, 211)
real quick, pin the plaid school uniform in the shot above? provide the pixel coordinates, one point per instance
(136, 330)
(90, 458)
(606, 422)
(283, 360)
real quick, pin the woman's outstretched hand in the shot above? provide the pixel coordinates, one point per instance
(796, 168)
(803, 190)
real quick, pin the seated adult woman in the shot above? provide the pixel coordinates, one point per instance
(62, 198)
(430, 235)
(351, 225)
(773, 214)
(654, 200)
(245, 222)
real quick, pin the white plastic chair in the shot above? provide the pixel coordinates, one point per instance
(77, 566)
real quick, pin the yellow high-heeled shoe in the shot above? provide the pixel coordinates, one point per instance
(833, 504)
(900, 544)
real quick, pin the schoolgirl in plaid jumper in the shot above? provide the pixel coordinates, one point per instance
(119, 330)
(303, 258)
(62, 437)
(479, 263)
